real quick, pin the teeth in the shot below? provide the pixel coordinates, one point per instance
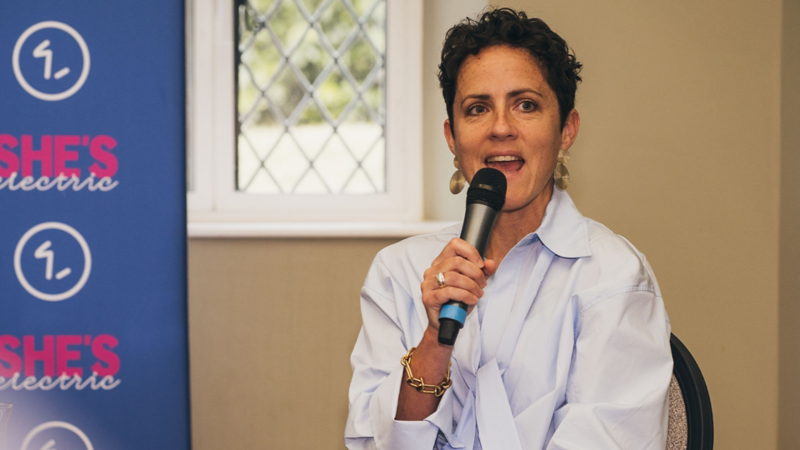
(503, 158)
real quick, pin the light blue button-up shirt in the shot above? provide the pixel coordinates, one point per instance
(569, 348)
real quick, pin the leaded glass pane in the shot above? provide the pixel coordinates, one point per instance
(311, 97)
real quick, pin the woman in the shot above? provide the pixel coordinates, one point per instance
(568, 347)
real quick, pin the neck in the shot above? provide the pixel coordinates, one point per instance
(512, 226)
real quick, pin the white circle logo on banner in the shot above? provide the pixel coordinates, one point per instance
(43, 251)
(50, 445)
(42, 51)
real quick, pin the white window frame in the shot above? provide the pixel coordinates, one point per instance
(211, 135)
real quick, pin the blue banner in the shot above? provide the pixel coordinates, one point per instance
(93, 325)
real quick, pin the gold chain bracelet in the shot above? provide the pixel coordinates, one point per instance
(419, 383)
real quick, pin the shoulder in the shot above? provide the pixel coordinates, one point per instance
(616, 262)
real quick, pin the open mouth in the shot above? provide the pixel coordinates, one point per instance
(505, 163)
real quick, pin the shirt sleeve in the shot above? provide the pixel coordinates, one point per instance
(377, 374)
(617, 390)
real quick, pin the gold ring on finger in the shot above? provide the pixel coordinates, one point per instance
(440, 280)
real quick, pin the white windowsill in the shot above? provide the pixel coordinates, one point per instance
(217, 209)
(312, 229)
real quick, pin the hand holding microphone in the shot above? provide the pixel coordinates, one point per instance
(456, 278)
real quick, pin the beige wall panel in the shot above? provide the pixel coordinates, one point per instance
(271, 325)
(789, 411)
(679, 151)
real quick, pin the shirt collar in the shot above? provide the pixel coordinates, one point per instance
(563, 229)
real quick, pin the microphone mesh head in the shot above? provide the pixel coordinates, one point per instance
(488, 186)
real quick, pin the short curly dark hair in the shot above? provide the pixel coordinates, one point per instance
(504, 26)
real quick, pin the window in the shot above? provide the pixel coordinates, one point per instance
(310, 96)
(289, 115)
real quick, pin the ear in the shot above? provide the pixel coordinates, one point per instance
(448, 134)
(570, 131)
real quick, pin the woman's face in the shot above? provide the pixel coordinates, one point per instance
(506, 116)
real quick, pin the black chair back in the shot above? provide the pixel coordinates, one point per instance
(699, 420)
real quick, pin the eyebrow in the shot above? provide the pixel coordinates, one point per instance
(513, 93)
(524, 91)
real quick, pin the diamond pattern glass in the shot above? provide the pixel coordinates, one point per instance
(311, 97)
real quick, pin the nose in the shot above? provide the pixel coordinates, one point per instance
(503, 126)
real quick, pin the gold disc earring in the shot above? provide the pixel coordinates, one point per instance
(561, 174)
(457, 180)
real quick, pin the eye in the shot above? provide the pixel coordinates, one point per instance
(527, 106)
(476, 110)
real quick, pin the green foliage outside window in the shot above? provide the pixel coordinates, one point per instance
(312, 67)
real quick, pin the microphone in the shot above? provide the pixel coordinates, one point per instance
(485, 198)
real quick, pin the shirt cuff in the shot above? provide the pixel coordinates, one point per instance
(391, 434)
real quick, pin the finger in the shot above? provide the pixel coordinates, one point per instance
(455, 264)
(454, 279)
(467, 251)
(444, 295)
(434, 299)
(464, 267)
(460, 247)
(489, 267)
